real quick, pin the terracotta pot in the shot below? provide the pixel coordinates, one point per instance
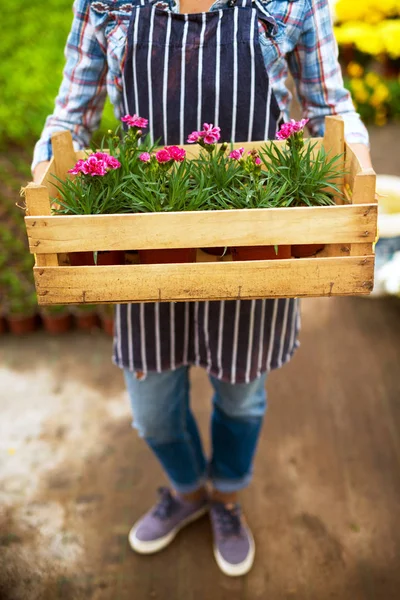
(306, 250)
(57, 323)
(86, 321)
(260, 252)
(3, 325)
(81, 259)
(107, 323)
(22, 324)
(112, 257)
(216, 251)
(167, 255)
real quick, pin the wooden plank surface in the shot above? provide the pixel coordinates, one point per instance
(334, 145)
(63, 152)
(38, 203)
(199, 281)
(334, 224)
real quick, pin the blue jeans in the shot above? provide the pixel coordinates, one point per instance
(162, 416)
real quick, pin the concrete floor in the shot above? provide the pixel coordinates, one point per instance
(324, 504)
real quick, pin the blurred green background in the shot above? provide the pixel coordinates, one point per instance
(31, 64)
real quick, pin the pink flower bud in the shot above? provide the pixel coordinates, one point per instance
(145, 157)
(257, 161)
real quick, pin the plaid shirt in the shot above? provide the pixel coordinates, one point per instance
(302, 42)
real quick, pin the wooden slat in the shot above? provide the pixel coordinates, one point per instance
(48, 179)
(200, 281)
(334, 224)
(63, 152)
(38, 203)
(334, 145)
(364, 191)
(352, 165)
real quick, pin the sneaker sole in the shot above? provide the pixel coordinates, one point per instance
(154, 546)
(237, 570)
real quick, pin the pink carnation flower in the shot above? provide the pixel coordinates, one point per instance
(236, 154)
(210, 134)
(176, 153)
(145, 157)
(135, 121)
(299, 125)
(257, 161)
(194, 137)
(163, 156)
(98, 164)
(111, 161)
(94, 166)
(78, 168)
(288, 129)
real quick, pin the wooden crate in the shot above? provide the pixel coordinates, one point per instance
(345, 267)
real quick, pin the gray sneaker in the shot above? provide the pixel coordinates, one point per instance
(234, 547)
(159, 526)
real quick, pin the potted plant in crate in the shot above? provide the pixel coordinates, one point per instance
(167, 182)
(94, 188)
(308, 177)
(134, 178)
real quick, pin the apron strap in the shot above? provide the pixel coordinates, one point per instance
(265, 16)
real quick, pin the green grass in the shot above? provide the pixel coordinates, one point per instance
(32, 40)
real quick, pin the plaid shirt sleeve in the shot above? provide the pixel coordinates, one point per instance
(82, 93)
(317, 74)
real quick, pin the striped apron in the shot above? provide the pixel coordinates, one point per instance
(180, 71)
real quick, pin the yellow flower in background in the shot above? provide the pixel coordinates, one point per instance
(389, 32)
(370, 42)
(381, 118)
(383, 38)
(380, 95)
(354, 69)
(349, 11)
(361, 96)
(359, 91)
(358, 85)
(369, 11)
(372, 79)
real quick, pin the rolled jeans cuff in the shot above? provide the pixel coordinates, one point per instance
(188, 488)
(230, 485)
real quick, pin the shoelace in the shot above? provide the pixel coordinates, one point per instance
(228, 519)
(166, 504)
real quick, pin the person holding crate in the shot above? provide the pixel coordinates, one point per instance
(180, 66)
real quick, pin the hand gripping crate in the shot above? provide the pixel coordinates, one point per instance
(344, 267)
